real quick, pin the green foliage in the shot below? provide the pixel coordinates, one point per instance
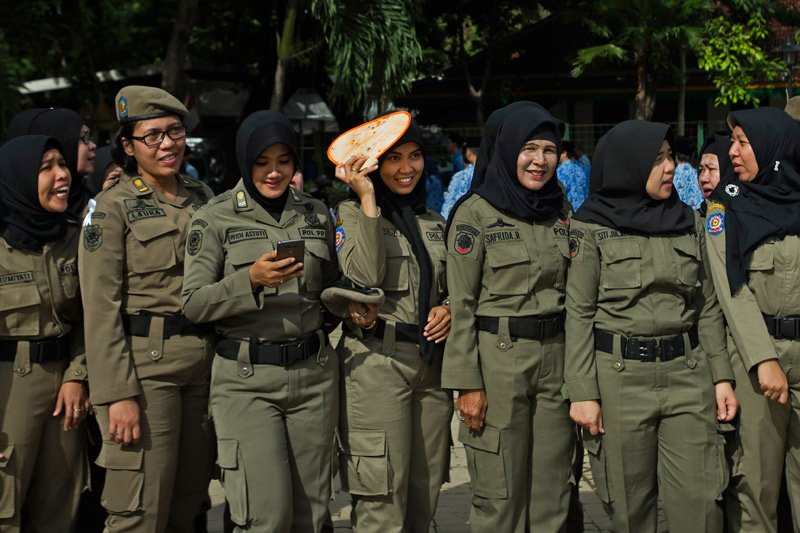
(733, 54)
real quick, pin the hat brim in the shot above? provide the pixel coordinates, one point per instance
(337, 298)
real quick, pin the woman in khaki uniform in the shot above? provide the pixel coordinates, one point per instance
(508, 251)
(394, 427)
(647, 371)
(43, 396)
(753, 230)
(150, 366)
(274, 385)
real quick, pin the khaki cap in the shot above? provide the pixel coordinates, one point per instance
(793, 107)
(139, 102)
(336, 298)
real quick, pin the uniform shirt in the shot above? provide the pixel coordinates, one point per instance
(685, 182)
(373, 253)
(772, 289)
(575, 182)
(40, 297)
(131, 261)
(638, 286)
(459, 185)
(498, 266)
(227, 236)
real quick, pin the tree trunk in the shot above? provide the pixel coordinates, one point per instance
(645, 92)
(285, 40)
(476, 94)
(173, 75)
(682, 95)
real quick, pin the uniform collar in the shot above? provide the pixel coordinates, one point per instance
(242, 202)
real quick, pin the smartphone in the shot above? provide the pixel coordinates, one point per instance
(293, 248)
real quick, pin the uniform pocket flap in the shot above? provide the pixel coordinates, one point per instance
(504, 255)
(246, 254)
(113, 457)
(227, 453)
(364, 443)
(6, 453)
(763, 258)
(614, 250)
(487, 440)
(687, 246)
(318, 249)
(147, 230)
(19, 296)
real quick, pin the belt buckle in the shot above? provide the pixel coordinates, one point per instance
(644, 351)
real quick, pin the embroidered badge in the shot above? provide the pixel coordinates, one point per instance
(92, 237)
(715, 205)
(464, 243)
(123, 107)
(140, 185)
(194, 242)
(340, 238)
(715, 224)
(435, 235)
(311, 218)
(574, 247)
(468, 229)
(732, 189)
(500, 223)
(241, 200)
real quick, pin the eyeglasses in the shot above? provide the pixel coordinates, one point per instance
(155, 138)
(87, 138)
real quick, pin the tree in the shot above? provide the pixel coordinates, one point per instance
(173, 77)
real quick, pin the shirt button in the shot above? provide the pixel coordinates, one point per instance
(154, 353)
(245, 370)
(617, 364)
(503, 345)
(691, 363)
(78, 372)
(21, 370)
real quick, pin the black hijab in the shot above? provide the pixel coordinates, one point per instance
(24, 223)
(718, 144)
(64, 125)
(501, 186)
(622, 163)
(94, 181)
(402, 211)
(769, 206)
(258, 132)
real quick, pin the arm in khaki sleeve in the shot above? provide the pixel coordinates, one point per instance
(330, 269)
(583, 284)
(206, 294)
(742, 311)
(461, 368)
(76, 371)
(362, 257)
(710, 322)
(112, 371)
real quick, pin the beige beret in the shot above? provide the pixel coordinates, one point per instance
(139, 102)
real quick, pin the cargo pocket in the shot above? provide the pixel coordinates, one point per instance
(396, 277)
(122, 493)
(763, 258)
(621, 267)
(15, 304)
(687, 260)
(233, 479)
(317, 254)
(8, 489)
(364, 462)
(68, 275)
(485, 462)
(154, 246)
(597, 461)
(510, 269)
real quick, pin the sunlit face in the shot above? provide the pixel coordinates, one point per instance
(659, 183)
(536, 163)
(272, 170)
(742, 155)
(402, 168)
(54, 182)
(86, 153)
(162, 161)
(709, 173)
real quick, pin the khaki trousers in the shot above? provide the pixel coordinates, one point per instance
(660, 441)
(45, 469)
(520, 464)
(161, 484)
(394, 434)
(275, 428)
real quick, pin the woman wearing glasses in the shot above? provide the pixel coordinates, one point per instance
(150, 366)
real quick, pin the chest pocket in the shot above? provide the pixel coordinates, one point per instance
(316, 258)
(688, 260)
(510, 269)
(397, 259)
(243, 255)
(621, 268)
(18, 314)
(763, 258)
(152, 247)
(68, 276)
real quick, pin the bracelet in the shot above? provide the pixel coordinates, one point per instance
(371, 326)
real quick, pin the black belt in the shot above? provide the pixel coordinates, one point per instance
(402, 331)
(646, 350)
(40, 351)
(526, 327)
(283, 354)
(139, 326)
(783, 327)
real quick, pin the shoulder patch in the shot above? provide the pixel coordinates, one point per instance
(715, 223)
(574, 247)
(92, 237)
(715, 206)
(340, 238)
(464, 242)
(194, 242)
(467, 228)
(241, 199)
(199, 222)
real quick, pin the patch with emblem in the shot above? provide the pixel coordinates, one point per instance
(311, 218)
(464, 243)
(715, 206)
(499, 223)
(140, 185)
(240, 235)
(715, 224)
(574, 247)
(122, 107)
(199, 222)
(314, 233)
(92, 237)
(241, 199)
(194, 241)
(340, 238)
(17, 277)
(732, 189)
(469, 229)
